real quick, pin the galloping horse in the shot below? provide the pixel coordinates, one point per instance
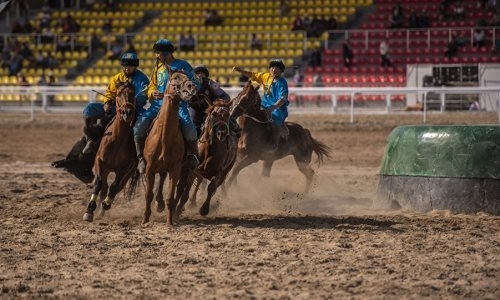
(252, 145)
(217, 152)
(164, 147)
(116, 152)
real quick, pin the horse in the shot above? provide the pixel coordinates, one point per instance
(164, 150)
(255, 145)
(217, 152)
(116, 152)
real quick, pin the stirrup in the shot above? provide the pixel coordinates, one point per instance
(141, 167)
(89, 147)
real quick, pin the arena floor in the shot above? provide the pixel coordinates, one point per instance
(269, 242)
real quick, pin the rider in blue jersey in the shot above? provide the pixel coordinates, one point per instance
(164, 50)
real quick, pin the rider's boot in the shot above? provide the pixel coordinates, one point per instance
(139, 148)
(192, 154)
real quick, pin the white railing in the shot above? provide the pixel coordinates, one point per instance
(485, 93)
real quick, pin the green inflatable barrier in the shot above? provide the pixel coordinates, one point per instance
(448, 167)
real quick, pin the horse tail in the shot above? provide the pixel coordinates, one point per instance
(132, 185)
(321, 149)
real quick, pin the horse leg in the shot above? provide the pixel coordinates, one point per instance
(238, 166)
(308, 172)
(212, 187)
(115, 187)
(183, 197)
(172, 201)
(266, 168)
(192, 199)
(150, 181)
(104, 191)
(92, 206)
(160, 203)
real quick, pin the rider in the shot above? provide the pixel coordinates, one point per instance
(275, 100)
(211, 90)
(165, 60)
(97, 115)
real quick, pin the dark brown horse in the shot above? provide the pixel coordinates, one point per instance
(254, 143)
(164, 147)
(116, 153)
(217, 152)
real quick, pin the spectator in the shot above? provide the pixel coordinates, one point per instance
(212, 18)
(298, 82)
(283, 8)
(413, 19)
(456, 42)
(458, 11)
(423, 18)
(384, 53)
(298, 23)
(317, 81)
(396, 19)
(444, 11)
(63, 43)
(23, 81)
(16, 64)
(95, 43)
(255, 43)
(107, 27)
(316, 58)
(187, 42)
(347, 53)
(478, 38)
(89, 5)
(331, 23)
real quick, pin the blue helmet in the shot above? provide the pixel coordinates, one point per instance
(129, 59)
(163, 45)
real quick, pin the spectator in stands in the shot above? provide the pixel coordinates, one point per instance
(495, 19)
(27, 54)
(46, 36)
(413, 19)
(347, 53)
(42, 80)
(16, 64)
(212, 18)
(111, 5)
(298, 23)
(63, 43)
(275, 97)
(187, 42)
(164, 50)
(89, 5)
(495, 50)
(255, 43)
(317, 81)
(444, 10)
(384, 53)
(456, 42)
(298, 82)
(423, 20)
(478, 39)
(316, 58)
(396, 19)
(97, 115)
(95, 43)
(23, 81)
(331, 23)
(458, 11)
(283, 8)
(70, 25)
(107, 27)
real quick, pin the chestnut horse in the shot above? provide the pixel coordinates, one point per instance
(116, 152)
(164, 147)
(254, 143)
(217, 152)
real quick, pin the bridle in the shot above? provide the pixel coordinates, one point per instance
(220, 125)
(126, 108)
(237, 104)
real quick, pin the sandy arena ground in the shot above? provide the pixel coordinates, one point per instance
(269, 242)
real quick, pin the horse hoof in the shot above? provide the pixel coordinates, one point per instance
(106, 206)
(204, 211)
(88, 217)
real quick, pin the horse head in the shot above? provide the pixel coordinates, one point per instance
(246, 100)
(217, 120)
(179, 84)
(125, 101)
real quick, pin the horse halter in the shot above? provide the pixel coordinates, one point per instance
(125, 109)
(237, 104)
(217, 121)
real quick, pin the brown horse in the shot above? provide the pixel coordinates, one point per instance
(164, 147)
(254, 143)
(116, 152)
(217, 152)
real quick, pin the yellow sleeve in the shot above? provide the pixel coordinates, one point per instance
(110, 93)
(153, 81)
